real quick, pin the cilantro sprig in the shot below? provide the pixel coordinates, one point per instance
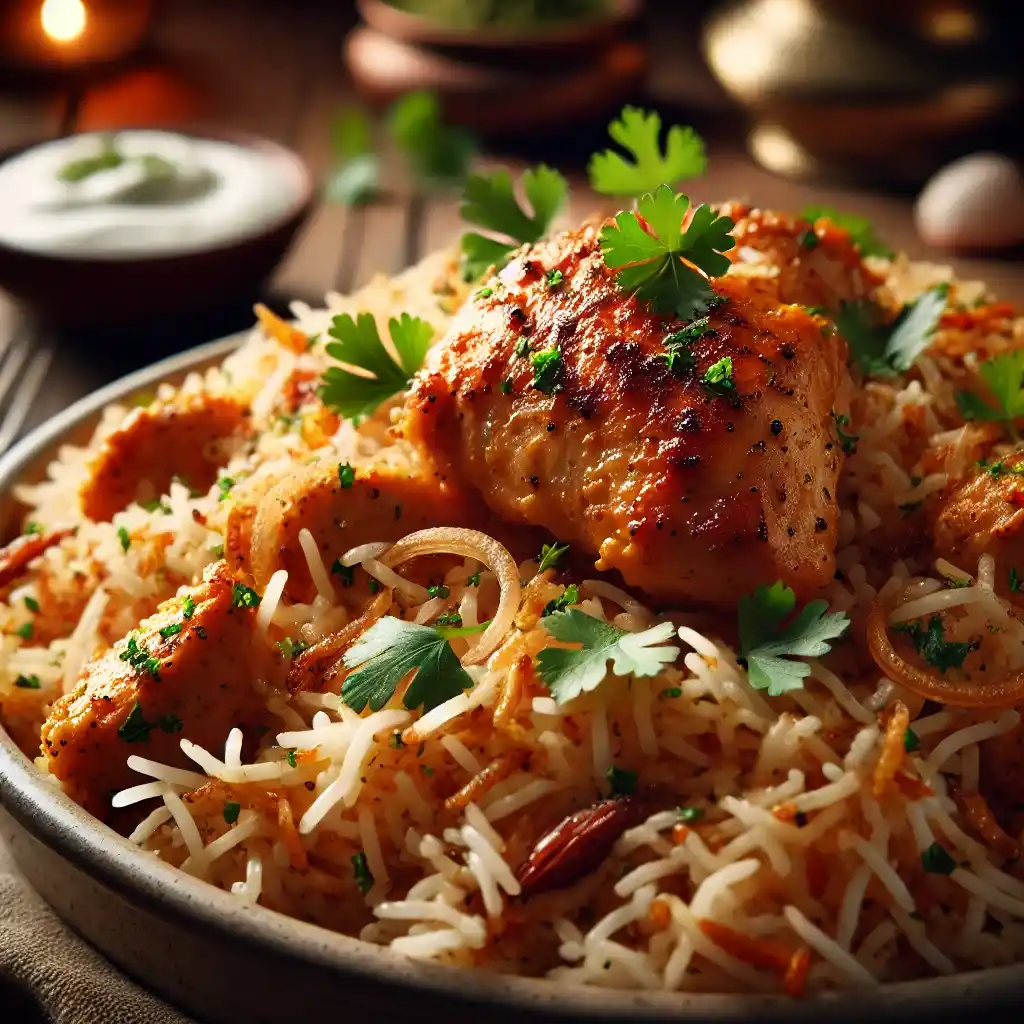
(659, 261)
(570, 672)
(489, 202)
(884, 350)
(390, 651)
(639, 133)
(357, 343)
(770, 635)
(1004, 374)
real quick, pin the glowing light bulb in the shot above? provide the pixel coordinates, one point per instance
(63, 20)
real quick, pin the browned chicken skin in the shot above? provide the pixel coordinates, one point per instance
(203, 686)
(189, 438)
(688, 493)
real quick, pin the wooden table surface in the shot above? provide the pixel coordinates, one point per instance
(276, 69)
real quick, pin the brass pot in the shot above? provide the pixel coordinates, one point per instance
(864, 89)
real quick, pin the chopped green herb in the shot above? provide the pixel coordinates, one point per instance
(547, 369)
(292, 648)
(374, 586)
(911, 741)
(1015, 581)
(522, 348)
(474, 580)
(231, 812)
(1004, 375)
(25, 630)
(884, 350)
(389, 652)
(570, 672)
(559, 604)
(678, 345)
(936, 860)
(32, 528)
(718, 378)
(358, 344)
(483, 293)
(347, 573)
(31, 604)
(809, 240)
(135, 728)
(346, 475)
(550, 555)
(426, 769)
(489, 201)
(1000, 468)
(244, 597)
(671, 692)
(638, 132)
(363, 875)
(930, 644)
(662, 264)
(688, 815)
(217, 551)
(438, 590)
(140, 659)
(449, 619)
(188, 606)
(848, 442)
(767, 645)
(172, 630)
(28, 682)
(156, 505)
(862, 234)
(290, 758)
(621, 781)
(954, 583)
(124, 538)
(108, 157)
(224, 485)
(554, 278)
(200, 632)
(506, 387)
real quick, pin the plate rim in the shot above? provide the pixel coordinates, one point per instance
(76, 836)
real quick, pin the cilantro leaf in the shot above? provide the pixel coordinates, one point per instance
(638, 132)
(1004, 375)
(550, 555)
(388, 652)
(931, 644)
(862, 234)
(883, 350)
(489, 201)
(568, 673)
(663, 264)
(358, 344)
(547, 369)
(765, 642)
(437, 154)
(135, 728)
(718, 378)
(355, 177)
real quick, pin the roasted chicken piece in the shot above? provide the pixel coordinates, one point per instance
(377, 504)
(690, 489)
(189, 437)
(984, 515)
(149, 690)
(810, 264)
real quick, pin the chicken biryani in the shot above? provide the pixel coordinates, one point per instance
(638, 606)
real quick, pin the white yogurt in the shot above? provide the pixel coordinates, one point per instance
(218, 193)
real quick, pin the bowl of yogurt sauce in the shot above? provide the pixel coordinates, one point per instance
(100, 229)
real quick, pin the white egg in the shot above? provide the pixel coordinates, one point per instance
(976, 202)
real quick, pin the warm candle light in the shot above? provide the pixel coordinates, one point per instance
(63, 20)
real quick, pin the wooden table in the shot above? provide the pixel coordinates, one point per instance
(276, 69)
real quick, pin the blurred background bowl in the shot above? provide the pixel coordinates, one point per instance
(81, 292)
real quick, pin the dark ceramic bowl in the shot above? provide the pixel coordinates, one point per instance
(200, 949)
(80, 291)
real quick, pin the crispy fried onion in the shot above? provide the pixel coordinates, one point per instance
(934, 686)
(893, 750)
(318, 664)
(443, 540)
